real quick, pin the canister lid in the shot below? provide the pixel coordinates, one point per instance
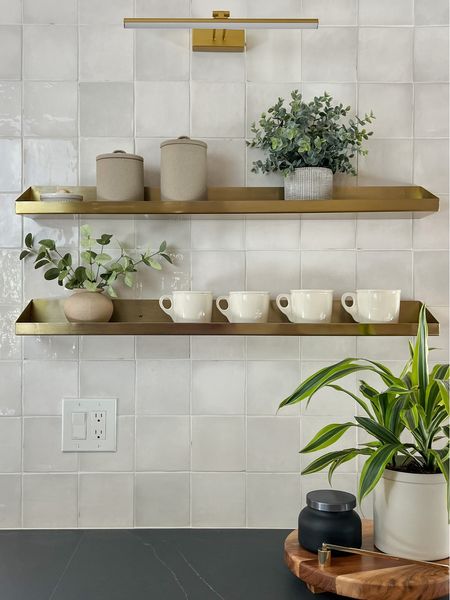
(184, 139)
(120, 154)
(331, 500)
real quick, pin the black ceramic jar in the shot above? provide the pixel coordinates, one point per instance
(329, 517)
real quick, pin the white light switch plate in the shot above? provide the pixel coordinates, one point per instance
(89, 424)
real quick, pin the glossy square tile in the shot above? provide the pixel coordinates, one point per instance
(163, 443)
(390, 270)
(177, 276)
(49, 52)
(162, 108)
(218, 443)
(111, 347)
(431, 123)
(42, 396)
(266, 55)
(106, 53)
(392, 105)
(218, 272)
(217, 109)
(150, 150)
(344, 93)
(384, 234)
(432, 233)
(273, 444)
(64, 231)
(10, 11)
(10, 277)
(218, 499)
(162, 387)
(264, 272)
(268, 10)
(92, 147)
(226, 162)
(11, 173)
(175, 231)
(431, 56)
(327, 348)
(10, 501)
(50, 109)
(259, 179)
(328, 270)
(273, 500)
(268, 383)
(10, 444)
(385, 54)
(49, 501)
(212, 234)
(327, 401)
(94, 505)
(10, 344)
(10, 52)
(162, 346)
(382, 348)
(10, 225)
(50, 162)
(162, 55)
(50, 11)
(218, 66)
(104, 12)
(431, 277)
(11, 397)
(212, 347)
(42, 446)
(330, 55)
(270, 234)
(160, 8)
(10, 109)
(106, 109)
(202, 8)
(261, 96)
(122, 459)
(336, 234)
(162, 500)
(109, 379)
(331, 13)
(431, 166)
(431, 12)
(388, 162)
(218, 388)
(385, 12)
(272, 347)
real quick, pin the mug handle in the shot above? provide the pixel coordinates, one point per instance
(224, 311)
(169, 310)
(284, 309)
(352, 310)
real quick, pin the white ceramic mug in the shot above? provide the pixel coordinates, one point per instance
(188, 307)
(245, 307)
(307, 306)
(373, 306)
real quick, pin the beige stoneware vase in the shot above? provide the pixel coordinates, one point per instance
(88, 307)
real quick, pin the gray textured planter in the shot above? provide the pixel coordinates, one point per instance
(309, 183)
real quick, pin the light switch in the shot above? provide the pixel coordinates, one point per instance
(79, 426)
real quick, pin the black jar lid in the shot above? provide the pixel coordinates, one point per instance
(331, 500)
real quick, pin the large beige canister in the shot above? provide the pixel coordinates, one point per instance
(183, 169)
(120, 177)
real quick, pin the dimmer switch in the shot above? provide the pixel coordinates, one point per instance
(89, 425)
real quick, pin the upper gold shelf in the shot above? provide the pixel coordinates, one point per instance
(383, 201)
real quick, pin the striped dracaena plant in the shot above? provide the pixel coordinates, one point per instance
(407, 420)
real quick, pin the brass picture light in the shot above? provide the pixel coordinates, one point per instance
(220, 33)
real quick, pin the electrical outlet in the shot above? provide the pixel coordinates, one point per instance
(89, 425)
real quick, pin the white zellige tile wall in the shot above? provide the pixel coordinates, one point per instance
(199, 443)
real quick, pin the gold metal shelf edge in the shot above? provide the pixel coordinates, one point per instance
(381, 200)
(144, 317)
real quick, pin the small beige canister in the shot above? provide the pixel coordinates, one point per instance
(183, 169)
(120, 177)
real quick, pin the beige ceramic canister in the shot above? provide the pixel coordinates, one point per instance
(183, 169)
(120, 177)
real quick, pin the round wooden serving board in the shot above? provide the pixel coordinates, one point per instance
(364, 577)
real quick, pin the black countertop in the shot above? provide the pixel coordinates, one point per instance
(150, 564)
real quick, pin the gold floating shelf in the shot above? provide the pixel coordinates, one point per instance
(144, 317)
(382, 201)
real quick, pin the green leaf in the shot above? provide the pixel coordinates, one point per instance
(51, 274)
(374, 468)
(128, 279)
(410, 417)
(103, 258)
(86, 231)
(111, 292)
(361, 402)
(326, 459)
(327, 436)
(104, 239)
(90, 286)
(154, 264)
(419, 372)
(49, 244)
(29, 240)
(444, 393)
(163, 246)
(40, 263)
(378, 431)
(24, 254)
(167, 257)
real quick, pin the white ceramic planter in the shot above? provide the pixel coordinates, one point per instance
(88, 307)
(309, 183)
(410, 515)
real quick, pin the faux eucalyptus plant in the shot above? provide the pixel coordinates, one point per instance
(98, 270)
(407, 419)
(309, 134)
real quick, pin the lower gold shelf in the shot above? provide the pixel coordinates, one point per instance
(144, 317)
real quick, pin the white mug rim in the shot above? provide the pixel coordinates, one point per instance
(379, 290)
(308, 291)
(246, 292)
(187, 292)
